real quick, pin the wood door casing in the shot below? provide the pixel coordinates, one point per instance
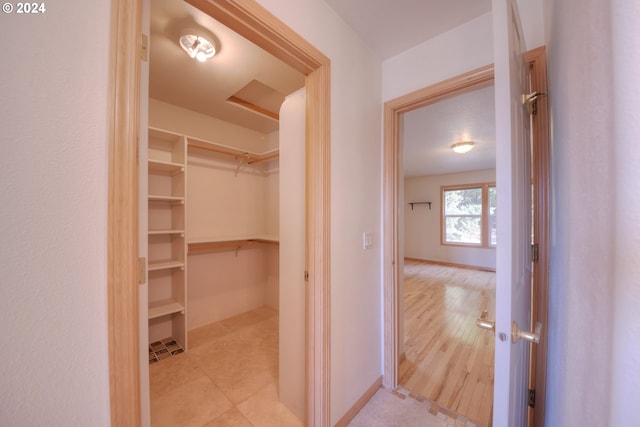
(252, 21)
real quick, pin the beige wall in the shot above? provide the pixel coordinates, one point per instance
(54, 78)
(422, 225)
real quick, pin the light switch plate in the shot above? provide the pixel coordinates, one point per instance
(367, 241)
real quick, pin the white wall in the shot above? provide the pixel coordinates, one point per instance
(355, 197)
(459, 50)
(53, 175)
(625, 382)
(221, 203)
(593, 373)
(422, 225)
(224, 283)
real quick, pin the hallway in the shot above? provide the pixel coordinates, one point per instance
(229, 378)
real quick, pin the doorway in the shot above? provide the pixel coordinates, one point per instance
(253, 22)
(449, 247)
(447, 360)
(229, 111)
(393, 201)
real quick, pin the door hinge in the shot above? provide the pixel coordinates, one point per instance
(534, 252)
(144, 48)
(532, 398)
(306, 276)
(531, 101)
(142, 270)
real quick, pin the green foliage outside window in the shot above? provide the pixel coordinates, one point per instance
(465, 216)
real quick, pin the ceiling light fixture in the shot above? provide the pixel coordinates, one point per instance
(462, 147)
(197, 47)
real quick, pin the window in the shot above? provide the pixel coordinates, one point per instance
(492, 215)
(469, 215)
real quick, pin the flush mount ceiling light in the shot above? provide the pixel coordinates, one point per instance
(197, 47)
(462, 147)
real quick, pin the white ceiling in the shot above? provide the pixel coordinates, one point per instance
(242, 69)
(390, 27)
(429, 132)
(205, 87)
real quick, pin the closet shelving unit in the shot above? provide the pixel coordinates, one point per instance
(236, 242)
(167, 291)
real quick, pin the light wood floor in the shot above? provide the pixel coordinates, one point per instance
(449, 360)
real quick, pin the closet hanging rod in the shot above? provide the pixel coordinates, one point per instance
(266, 156)
(250, 157)
(235, 243)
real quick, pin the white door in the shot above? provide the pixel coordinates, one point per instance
(513, 183)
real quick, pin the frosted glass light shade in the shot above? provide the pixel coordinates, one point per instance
(462, 147)
(197, 47)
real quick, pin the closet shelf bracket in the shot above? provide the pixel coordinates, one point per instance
(240, 161)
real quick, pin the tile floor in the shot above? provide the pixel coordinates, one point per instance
(227, 378)
(402, 408)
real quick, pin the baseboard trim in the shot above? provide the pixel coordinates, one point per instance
(452, 264)
(351, 413)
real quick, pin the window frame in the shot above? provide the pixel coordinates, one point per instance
(484, 215)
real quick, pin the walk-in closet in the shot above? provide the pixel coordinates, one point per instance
(224, 118)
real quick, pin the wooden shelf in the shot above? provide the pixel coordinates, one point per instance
(165, 232)
(164, 308)
(169, 199)
(165, 264)
(159, 166)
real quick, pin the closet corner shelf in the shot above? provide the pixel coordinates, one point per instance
(164, 308)
(203, 244)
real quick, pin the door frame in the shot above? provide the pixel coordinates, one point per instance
(392, 265)
(258, 25)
